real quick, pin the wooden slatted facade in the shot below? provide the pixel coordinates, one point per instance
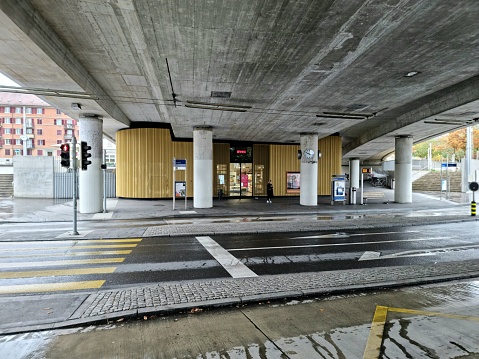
(145, 169)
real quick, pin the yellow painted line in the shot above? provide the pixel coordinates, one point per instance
(61, 263)
(433, 314)
(23, 249)
(114, 240)
(57, 273)
(50, 287)
(69, 254)
(375, 339)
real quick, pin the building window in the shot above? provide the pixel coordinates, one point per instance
(39, 121)
(58, 112)
(41, 142)
(18, 131)
(17, 152)
(29, 131)
(8, 131)
(39, 131)
(18, 141)
(39, 111)
(18, 110)
(59, 132)
(18, 120)
(7, 152)
(7, 109)
(40, 152)
(58, 122)
(7, 120)
(8, 141)
(28, 110)
(59, 142)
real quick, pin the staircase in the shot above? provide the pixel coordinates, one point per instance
(432, 182)
(6, 185)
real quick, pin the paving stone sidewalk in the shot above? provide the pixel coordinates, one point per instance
(162, 298)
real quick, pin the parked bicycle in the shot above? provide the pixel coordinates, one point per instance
(378, 181)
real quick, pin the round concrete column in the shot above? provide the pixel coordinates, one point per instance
(309, 170)
(354, 174)
(203, 167)
(91, 180)
(403, 170)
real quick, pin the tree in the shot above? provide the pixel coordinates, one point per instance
(453, 143)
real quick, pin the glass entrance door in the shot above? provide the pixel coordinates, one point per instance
(241, 179)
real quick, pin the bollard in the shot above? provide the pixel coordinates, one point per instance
(473, 208)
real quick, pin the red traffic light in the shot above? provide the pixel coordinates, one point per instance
(65, 147)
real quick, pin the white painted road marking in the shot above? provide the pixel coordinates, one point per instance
(369, 255)
(338, 244)
(232, 265)
(347, 235)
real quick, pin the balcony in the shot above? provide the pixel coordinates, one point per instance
(68, 137)
(69, 126)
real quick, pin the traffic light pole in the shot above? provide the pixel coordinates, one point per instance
(73, 150)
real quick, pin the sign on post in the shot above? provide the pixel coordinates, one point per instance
(179, 189)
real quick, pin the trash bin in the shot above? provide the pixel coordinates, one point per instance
(352, 198)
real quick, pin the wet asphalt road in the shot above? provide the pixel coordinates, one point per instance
(432, 321)
(137, 261)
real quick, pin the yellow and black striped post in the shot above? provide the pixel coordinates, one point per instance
(473, 208)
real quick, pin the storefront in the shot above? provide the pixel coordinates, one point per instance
(144, 166)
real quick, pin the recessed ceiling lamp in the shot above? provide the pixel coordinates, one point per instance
(411, 73)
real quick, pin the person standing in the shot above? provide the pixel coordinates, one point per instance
(269, 191)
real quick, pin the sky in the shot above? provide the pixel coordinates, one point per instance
(5, 81)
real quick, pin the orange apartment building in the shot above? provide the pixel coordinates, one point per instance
(28, 119)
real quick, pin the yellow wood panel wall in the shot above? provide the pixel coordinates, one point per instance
(221, 156)
(283, 158)
(145, 170)
(144, 163)
(261, 156)
(329, 164)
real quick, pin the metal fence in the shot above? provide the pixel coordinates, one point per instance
(63, 181)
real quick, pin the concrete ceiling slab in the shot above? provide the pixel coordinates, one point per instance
(259, 70)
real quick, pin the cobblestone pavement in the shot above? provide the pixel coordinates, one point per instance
(162, 298)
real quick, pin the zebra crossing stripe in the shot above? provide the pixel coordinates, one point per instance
(60, 263)
(50, 287)
(57, 272)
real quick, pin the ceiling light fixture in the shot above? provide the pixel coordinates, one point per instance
(411, 73)
(216, 106)
(346, 116)
(453, 122)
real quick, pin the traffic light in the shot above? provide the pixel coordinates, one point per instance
(85, 155)
(65, 154)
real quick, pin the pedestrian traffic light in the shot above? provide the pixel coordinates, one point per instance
(65, 154)
(85, 155)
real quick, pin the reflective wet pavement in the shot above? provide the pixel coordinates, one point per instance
(432, 321)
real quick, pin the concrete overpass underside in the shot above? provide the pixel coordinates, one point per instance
(258, 70)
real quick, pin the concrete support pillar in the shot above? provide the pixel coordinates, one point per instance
(203, 167)
(354, 178)
(91, 180)
(403, 170)
(309, 170)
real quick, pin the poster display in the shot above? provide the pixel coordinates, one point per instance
(180, 189)
(338, 189)
(293, 182)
